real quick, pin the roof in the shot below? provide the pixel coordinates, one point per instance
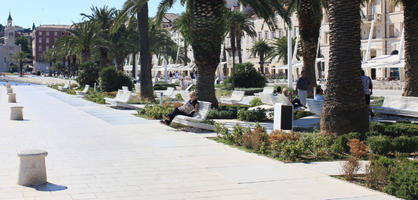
(10, 16)
(53, 26)
(170, 17)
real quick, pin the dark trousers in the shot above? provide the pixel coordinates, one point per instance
(176, 112)
(296, 103)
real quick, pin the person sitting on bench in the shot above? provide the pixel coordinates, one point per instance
(188, 109)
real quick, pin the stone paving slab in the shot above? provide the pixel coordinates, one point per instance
(94, 159)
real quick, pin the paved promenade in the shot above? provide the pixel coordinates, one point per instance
(96, 152)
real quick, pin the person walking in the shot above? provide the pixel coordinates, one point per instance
(367, 89)
(302, 87)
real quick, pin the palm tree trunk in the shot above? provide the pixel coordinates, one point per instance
(233, 49)
(134, 66)
(103, 57)
(239, 37)
(146, 78)
(411, 47)
(206, 38)
(344, 107)
(262, 63)
(21, 67)
(185, 51)
(309, 33)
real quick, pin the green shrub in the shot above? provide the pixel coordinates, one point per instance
(395, 129)
(112, 80)
(164, 86)
(96, 97)
(222, 114)
(355, 135)
(155, 111)
(405, 144)
(300, 114)
(379, 144)
(256, 102)
(340, 145)
(377, 172)
(178, 97)
(404, 182)
(257, 115)
(88, 74)
(319, 145)
(246, 76)
(287, 149)
(237, 133)
(250, 91)
(223, 133)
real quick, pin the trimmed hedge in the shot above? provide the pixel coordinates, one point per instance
(394, 130)
(164, 86)
(252, 115)
(404, 182)
(380, 144)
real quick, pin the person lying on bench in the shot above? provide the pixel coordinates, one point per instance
(188, 109)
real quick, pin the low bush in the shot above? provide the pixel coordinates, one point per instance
(404, 144)
(379, 144)
(246, 76)
(318, 145)
(395, 129)
(223, 133)
(340, 147)
(301, 113)
(256, 102)
(404, 182)
(112, 80)
(287, 150)
(257, 139)
(164, 86)
(222, 114)
(377, 172)
(155, 111)
(357, 148)
(88, 74)
(257, 115)
(96, 97)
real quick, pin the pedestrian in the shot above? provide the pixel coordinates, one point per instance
(188, 109)
(319, 94)
(302, 87)
(367, 89)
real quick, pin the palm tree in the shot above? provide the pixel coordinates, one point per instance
(279, 49)
(411, 46)
(206, 32)
(50, 55)
(344, 107)
(309, 13)
(262, 49)
(139, 9)
(20, 57)
(104, 18)
(66, 47)
(86, 37)
(182, 25)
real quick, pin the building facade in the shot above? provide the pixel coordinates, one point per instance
(8, 47)
(44, 38)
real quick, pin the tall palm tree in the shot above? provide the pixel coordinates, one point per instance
(410, 18)
(261, 49)
(279, 49)
(207, 31)
(139, 9)
(344, 108)
(239, 24)
(66, 47)
(182, 25)
(50, 55)
(20, 57)
(104, 18)
(309, 13)
(86, 37)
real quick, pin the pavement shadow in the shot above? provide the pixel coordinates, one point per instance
(49, 187)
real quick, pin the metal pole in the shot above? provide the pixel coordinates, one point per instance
(161, 98)
(165, 71)
(289, 59)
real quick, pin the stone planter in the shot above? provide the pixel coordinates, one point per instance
(32, 170)
(9, 90)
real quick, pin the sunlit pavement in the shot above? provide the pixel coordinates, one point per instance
(95, 152)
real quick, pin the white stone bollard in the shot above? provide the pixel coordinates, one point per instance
(16, 113)
(32, 170)
(9, 90)
(12, 98)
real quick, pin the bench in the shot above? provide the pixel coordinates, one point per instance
(84, 92)
(65, 87)
(314, 106)
(198, 118)
(266, 90)
(235, 98)
(395, 105)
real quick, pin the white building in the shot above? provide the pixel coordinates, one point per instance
(8, 47)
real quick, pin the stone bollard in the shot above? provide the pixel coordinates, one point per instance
(12, 98)
(9, 90)
(32, 170)
(16, 113)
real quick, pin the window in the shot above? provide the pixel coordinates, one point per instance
(47, 33)
(266, 35)
(40, 33)
(391, 30)
(259, 35)
(391, 7)
(55, 33)
(47, 40)
(40, 48)
(253, 38)
(273, 34)
(295, 31)
(280, 33)
(374, 32)
(40, 40)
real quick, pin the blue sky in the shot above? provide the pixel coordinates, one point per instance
(26, 12)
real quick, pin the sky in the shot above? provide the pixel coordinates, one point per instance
(62, 12)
